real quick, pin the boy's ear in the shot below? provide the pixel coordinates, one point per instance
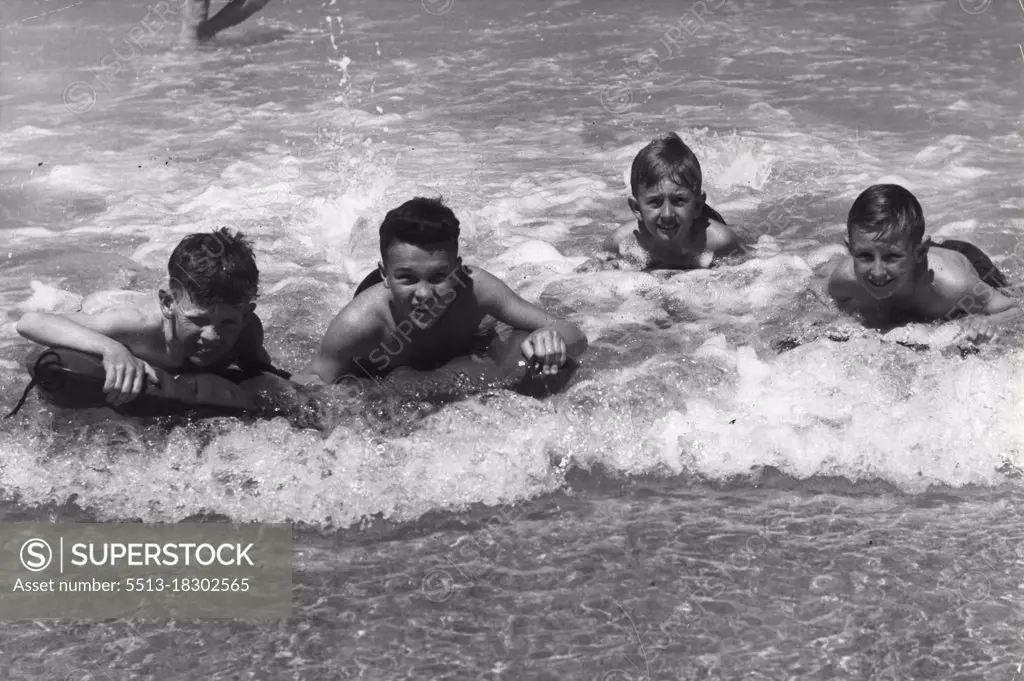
(383, 273)
(166, 302)
(849, 249)
(921, 252)
(635, 207)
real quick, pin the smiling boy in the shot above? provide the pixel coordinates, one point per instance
(426, 306)
(674, 227)
(895, 276)
(201, 321)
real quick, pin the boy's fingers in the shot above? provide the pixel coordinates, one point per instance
(126, 387)
(137, 384)
(110, 378)
(114, 378)
(527, 349)
(151, 373)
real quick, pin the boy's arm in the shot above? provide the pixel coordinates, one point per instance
(608, 258)
(350, 335)
(106, 335)
(721, 238)
(94, 334)
(615, 239)
(505, 305)
(988, 308)
(841, 286)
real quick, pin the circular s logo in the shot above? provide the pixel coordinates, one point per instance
(79, 97)
(616, 98)
(36, 555)
(437, 7)
(975, 6)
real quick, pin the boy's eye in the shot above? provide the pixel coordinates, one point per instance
(865, 257)
(199, 321)
(892, 258)
(680, 201)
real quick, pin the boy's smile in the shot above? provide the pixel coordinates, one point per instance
(670, 214)
(420, 280)
(883, 267)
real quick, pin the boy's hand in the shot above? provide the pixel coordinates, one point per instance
(545, 348)
(126, 374)
(977, 330)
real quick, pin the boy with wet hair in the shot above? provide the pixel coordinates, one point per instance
(895, 276)
(201, 321)
(675, 228)
(423, 307)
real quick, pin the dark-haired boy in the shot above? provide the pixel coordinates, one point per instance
(674, 227)
(202, 320)
(894, 275)
(424, 306)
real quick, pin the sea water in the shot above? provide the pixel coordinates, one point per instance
(739, 483)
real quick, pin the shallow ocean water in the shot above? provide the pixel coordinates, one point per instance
(697, 504)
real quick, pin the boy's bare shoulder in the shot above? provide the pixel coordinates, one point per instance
(721, 238)
(482, 283)
(952, 271)
(367, 313)
(615, 239)
(842, 283)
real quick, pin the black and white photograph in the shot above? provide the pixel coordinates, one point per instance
(554, 340)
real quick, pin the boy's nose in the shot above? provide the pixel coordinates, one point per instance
(423, 293)
(210, 334)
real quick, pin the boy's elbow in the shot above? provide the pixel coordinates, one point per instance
(305, 378)
(27, 324)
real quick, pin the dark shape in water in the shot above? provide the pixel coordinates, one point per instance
(987, 270)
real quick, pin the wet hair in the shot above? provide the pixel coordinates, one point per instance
(666, 157)
(426, 223)
(888, 210)
(215, 268)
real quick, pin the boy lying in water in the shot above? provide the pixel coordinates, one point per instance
(201, 321)
(674, 227)
(423, 306)
(895, 276)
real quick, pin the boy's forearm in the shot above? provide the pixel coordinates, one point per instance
(56, 331)
(312, 374)
(1006, 316)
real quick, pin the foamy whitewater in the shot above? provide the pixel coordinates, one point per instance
(832, 502)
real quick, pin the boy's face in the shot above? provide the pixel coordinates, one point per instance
(670, 213)
(883, 266)
(208, 332)
(421, 281)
